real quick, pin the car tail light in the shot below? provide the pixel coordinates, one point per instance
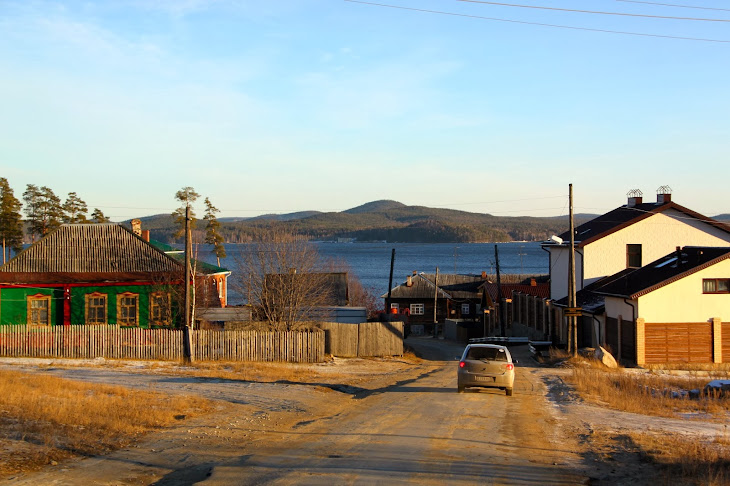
(461, 364)
(509, 366)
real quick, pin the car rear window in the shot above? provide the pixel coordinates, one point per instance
(489, 354)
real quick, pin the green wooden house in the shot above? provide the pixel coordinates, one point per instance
(93, 274)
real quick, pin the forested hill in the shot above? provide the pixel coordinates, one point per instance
(383, 221)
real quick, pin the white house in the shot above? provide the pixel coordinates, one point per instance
(629, 237)
(673, 310)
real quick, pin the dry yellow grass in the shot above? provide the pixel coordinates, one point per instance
(644, 393)
(45, 418)
(687, 461)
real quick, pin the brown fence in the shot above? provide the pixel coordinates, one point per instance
(159, 344)
(363, 340)
(725, 330)
(678, 342)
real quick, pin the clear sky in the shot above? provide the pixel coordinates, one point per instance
(287, 105)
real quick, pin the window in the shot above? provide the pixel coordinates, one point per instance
(633, 256)
(128, 309)
(464, 309)
(39, 310)
(417, 309)
(160, 308)
(95, 308)
(716, 285)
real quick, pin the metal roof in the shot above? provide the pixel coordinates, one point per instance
(450, 286)
(92, 248)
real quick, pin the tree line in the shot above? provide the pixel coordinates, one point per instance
(44, 212)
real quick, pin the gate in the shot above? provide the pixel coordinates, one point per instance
(678, 342)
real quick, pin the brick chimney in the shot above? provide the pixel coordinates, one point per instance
(635, 197)
(146, 235)
(137, 227)
(409, 281)
(663, 195)
(484, 274)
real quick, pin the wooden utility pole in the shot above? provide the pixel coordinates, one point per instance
(572, 320)
(187, 351)
(502, 330)
(435, 302)
(390, 283)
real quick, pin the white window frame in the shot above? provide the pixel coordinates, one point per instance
(465, 309)
(418, 309)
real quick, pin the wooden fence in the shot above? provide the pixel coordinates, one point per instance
(365, 339)
(159, 344)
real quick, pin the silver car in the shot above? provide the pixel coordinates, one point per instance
(486, 366)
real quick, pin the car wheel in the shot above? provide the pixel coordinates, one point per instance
(460, 388)
(508, 391)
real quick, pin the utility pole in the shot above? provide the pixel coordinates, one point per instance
(502, 330)
(187, 351)
(572, 323)
(390, 282)
(435, 303)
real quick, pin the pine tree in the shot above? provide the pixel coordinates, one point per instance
(43, 209)
(11, 222)
(97, 216)
(187, 196)
(212, 231)
(75, 209)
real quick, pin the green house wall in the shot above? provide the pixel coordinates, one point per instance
(14, 303)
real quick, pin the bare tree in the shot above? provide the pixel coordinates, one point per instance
(283, 279)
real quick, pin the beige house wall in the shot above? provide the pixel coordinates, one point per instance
(658, 235)
(683, 301)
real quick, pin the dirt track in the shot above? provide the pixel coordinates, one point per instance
(407, 426)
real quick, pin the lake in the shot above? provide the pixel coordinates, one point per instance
(370, 262)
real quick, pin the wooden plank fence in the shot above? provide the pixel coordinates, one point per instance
(89, 342)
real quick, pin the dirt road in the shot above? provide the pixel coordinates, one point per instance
(414, 430)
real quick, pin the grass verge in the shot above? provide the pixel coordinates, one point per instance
(647, 394)
(44, 419)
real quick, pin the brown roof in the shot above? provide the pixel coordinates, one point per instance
(541, 290)
(93, 249)
(633, 283)
(624, 216)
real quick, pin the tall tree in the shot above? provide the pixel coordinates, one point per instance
(186, 196)
(212, 231)
(75, 209)
(282, 277)
(43, 209)
(11, 222)
(97, 216)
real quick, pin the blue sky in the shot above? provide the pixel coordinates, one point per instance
(281, 106)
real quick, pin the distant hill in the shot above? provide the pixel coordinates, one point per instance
(722, 217)
(384, 220)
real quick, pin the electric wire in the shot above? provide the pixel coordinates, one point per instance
(676, 5)
(623, 14)
(541, 24)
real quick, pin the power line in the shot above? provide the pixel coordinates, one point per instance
(623, 14)
(556, 26)
(676, 5)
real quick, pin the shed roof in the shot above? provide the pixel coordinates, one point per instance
(91, 249)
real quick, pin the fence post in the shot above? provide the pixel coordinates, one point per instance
(717, 340)
(640, 341)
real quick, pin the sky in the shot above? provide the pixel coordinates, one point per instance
(279, 106)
